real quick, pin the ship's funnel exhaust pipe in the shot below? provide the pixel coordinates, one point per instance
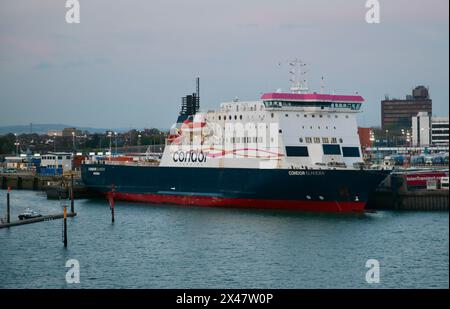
(190, 104)
(198, 92)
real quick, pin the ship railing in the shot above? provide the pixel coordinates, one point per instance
(331, 165)
(337, 164)
(130, 163)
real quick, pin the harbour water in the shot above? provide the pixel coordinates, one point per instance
(161, 246)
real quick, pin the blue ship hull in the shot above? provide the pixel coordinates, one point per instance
(309, 190)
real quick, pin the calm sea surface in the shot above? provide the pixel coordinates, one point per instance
(160, 246)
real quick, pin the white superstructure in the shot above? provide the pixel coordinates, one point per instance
(281, 130)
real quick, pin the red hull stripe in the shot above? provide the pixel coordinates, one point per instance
(300, 205)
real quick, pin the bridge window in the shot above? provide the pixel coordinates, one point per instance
(352, 152)
(330, 149)
(297, 151)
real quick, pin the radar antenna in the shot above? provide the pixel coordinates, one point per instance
(299, 83)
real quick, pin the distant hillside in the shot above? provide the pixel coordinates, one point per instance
(44, 128)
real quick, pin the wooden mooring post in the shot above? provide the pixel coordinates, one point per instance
(72, 206)
(8, 208)
(65, 227)
(111, 202)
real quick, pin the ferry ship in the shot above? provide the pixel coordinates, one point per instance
(293, 151)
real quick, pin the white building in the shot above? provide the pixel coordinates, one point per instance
(58, 160)
(428, 131)
(15, 163)
(439, 131)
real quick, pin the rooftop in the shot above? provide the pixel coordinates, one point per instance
(313, 97)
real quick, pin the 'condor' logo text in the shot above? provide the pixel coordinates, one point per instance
(189, 156)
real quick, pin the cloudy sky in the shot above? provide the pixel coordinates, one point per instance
(128, 62)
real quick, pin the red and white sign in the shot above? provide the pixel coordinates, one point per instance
(421, 179)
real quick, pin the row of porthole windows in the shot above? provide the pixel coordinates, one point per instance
(317, 140)
(272, 115)
(313, 116)
(245, 108)
(230, 117)
(244, 139)
(235, 117)
(318, 127)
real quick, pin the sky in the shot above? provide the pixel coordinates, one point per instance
(128, 62)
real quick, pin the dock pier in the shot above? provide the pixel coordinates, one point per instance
(56, 186)
(424, 200)
(27, 181)
(38, 219)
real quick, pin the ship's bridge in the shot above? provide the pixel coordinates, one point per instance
(280, 100)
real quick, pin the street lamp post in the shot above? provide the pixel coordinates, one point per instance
(54, 142)
(16, 143)
(153, 143)
(54, 153)
(372, 138)
(110, 143)
(73, 142)
(387, 138)
(115, 135)
(403, 134)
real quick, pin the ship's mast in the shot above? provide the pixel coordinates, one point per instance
(299, 83)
